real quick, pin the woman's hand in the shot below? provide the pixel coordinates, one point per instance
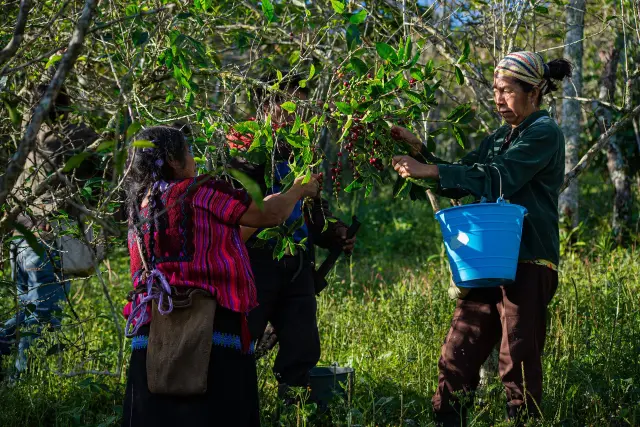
(404, 135)
(407, 166)
(277, 207)
(310, 189)
(347, 244)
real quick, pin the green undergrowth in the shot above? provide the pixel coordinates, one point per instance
(385, 315)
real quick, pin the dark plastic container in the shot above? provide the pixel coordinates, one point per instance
(328, 382)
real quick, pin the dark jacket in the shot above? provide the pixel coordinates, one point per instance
(530, 161)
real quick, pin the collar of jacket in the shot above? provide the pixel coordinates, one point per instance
(507, 131)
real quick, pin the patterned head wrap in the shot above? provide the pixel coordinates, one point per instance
(528, 67)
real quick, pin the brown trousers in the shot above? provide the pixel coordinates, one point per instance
(515, 316)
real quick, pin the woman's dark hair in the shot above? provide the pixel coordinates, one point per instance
(148, 169)
(559, 69)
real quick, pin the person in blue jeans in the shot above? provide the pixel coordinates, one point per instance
(36, 274)
(40, 289)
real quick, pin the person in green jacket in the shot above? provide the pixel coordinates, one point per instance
(522, 161)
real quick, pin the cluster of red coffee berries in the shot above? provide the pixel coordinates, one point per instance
(336, 172)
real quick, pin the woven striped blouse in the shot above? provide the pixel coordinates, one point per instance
(198, 242)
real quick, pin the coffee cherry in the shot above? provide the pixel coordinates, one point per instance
(346, 84)
(339, 154)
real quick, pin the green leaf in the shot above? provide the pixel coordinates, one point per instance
(139, 37)
(428, 70)
(353, 36)
(345, 129)
(354, 185)
(188, 99)
(106, 145)
(296, 125)
(386, 52)
(302, 83)
(408, 47)
(359, 66)
(344, 108)
(466, 51)
(459, 76)
(294, 57)
(458, 112)
(358, 17)
(269, 233)
(541, 10)
(307, 177)
(417, 74)
(52, 60)
(404, 190)
(143, 143)
(75, 161)
(460, 136)
(312, 72)
(32, 241)
(399, 81)
(288, 106)
(250, 185)
(267, 9)
(248, 126)
(296, 141)
(131, 10)
(133, 129)
(414, 96)
(467, 117)
(338, 6)
(13, 113)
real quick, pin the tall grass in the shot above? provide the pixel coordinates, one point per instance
(385, 314)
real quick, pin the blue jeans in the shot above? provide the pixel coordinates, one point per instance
(40, 288)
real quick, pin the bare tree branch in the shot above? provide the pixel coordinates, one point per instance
(12, 47)
(16, 165)
(595, 148)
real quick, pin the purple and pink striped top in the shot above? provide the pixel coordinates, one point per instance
(198, 242)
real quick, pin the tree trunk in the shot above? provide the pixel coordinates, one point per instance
(571, 128)
(616, 162)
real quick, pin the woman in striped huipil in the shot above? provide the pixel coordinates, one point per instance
(184, 235)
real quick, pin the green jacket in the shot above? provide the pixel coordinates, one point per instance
(532, 171)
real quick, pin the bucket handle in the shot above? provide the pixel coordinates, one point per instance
(501, 198)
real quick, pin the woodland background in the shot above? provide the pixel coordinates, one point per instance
(427, 65)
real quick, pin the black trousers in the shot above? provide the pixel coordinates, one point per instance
(231, 398)
(287, 300)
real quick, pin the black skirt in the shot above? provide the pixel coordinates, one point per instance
(232, 389)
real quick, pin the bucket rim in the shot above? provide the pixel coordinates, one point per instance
(330, 371)
(477, 205)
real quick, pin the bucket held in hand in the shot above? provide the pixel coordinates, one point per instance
(482, 242)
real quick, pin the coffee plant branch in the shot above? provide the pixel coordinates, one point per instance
(18, 35)
(16, 164)
(31, 39)
(95, 28)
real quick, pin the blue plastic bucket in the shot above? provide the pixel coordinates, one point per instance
(483, 242)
